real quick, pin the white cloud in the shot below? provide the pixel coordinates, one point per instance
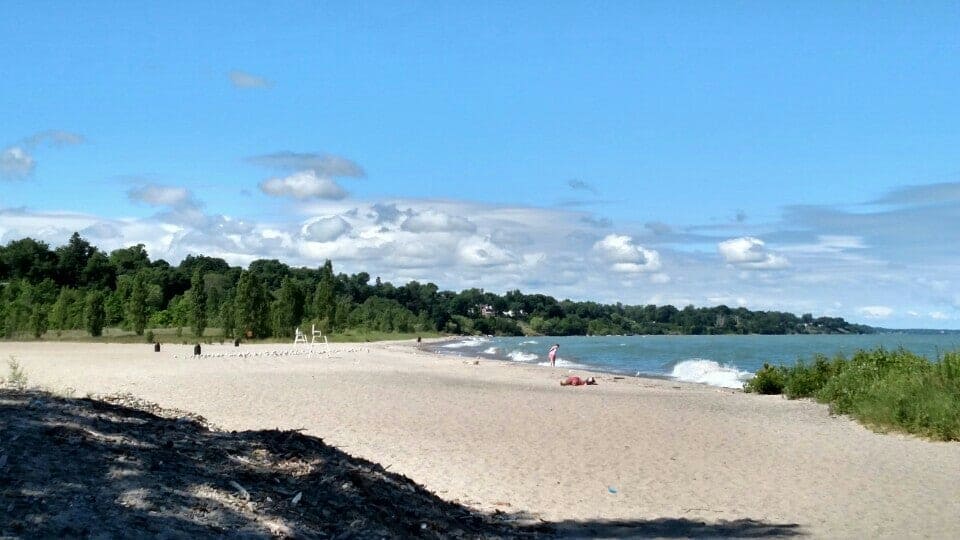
(939, 315)
(322, 164)
(242, 79)
(101, 230)
(303, 185)
(876, 312)
(751, 254)
(156, 195)
(325, 229)
(436, 221)
(16, 163)
(623, 256)
(476, 251)
(660, 278)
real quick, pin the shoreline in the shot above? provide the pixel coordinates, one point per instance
(586, 370)
(499, 435)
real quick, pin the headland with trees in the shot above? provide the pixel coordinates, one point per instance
(77, 286)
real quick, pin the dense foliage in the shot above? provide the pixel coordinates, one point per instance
(77, 286)
(881, 388)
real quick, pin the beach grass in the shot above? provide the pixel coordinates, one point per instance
(883, 389)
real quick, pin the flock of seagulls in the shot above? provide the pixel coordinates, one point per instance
(275, 353)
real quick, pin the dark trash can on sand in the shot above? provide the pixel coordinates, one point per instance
(196, 350)
(156, 347)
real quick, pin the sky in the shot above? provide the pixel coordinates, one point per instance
(796, 156)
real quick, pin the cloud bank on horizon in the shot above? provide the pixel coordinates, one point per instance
(671, 161)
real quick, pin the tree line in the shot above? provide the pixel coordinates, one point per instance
(78, 286)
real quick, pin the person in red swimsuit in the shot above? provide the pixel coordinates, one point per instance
(573, 380)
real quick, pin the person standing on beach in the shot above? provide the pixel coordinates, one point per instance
(553, 354)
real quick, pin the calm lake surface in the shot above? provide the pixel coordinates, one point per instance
(716, 360)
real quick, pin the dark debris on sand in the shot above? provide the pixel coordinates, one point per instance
(118, 467)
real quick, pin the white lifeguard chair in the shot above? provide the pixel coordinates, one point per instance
(314, 334)
(299, 337)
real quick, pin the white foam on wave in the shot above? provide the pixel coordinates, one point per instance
(531, 342)
(701, 370)
(469, 342)
(491, 350)
(565, 364)
(520, 356)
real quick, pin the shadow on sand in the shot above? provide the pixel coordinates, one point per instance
(119, 467)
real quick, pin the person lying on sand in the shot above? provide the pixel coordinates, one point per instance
(573, 380)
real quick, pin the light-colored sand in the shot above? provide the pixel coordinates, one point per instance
(507, 436)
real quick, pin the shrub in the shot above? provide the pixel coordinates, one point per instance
(768, 380)
(149, 336)
(16, 378)
(804, 380)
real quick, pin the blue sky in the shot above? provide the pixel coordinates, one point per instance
(797, 156)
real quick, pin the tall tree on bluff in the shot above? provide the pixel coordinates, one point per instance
(198, 302)
(251, 306)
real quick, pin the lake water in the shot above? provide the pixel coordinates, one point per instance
(715, 360)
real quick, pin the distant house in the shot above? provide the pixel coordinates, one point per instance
(487, 310)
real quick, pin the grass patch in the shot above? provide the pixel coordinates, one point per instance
(884, 389)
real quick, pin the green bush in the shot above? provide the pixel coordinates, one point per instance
(880, 388)
(804, 380)
(768, 380)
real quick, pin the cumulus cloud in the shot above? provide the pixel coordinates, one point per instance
(386, 213)
(242, 79)
(436, 221)
(876, 312)
(101, 230)
(321, 164)
(623, 255)
(17, 161)
(475, 251)
(303, 185)
(325, 229)
(751, 254)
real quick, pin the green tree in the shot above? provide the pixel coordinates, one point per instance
(93, 314)
(60, 312)
(288, 308)
(251, 308)
(227, 316)
(137, 304)
(38, 321)
(198, 302)
(324, 298)
(27, 259)
(72, 259)
(129, 260)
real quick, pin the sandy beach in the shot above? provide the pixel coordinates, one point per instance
(504, 436)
